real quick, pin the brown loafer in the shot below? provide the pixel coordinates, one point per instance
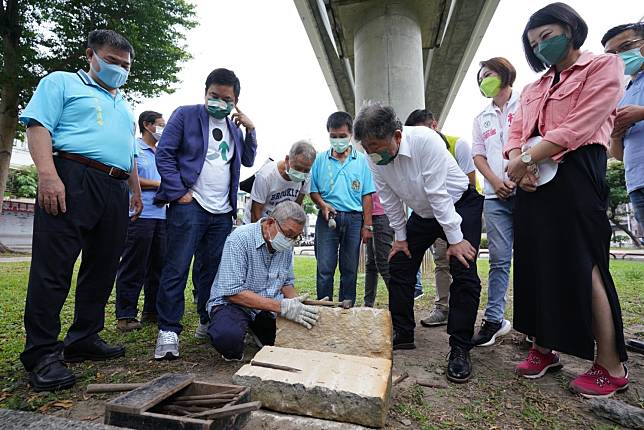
(128, 324)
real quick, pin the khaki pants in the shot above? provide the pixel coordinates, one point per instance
(441, 271)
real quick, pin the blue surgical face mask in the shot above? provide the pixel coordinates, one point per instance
(280, 242)
(340, 144)
(112, 75)
(633, 61)
(296, 175)
(158, 131)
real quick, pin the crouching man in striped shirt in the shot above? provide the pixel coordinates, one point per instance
(255, 282)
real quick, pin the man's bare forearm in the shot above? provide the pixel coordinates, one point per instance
(251, 300)
(40, 148)
(149, 184)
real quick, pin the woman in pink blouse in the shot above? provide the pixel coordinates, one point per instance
(564, 295)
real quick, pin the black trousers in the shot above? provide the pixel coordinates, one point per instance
(140, 267)
(466, 285)
(96, 224)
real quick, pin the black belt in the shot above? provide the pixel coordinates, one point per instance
(114, 172)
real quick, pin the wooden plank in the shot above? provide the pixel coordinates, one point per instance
(143, 398)
(198, 388)
(227, 411)
(111, 388)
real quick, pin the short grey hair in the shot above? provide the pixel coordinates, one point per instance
(376, 121)
(303, 148)
(289, 210)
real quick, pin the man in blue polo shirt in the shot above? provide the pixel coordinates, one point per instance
(627, 141)
(341, 186)
(80, 131)
(145, 247)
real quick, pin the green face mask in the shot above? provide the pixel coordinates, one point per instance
(220, 109)
(552, 51)
(490, 86)
(382, 158)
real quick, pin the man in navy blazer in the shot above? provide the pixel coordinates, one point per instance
(199, 157)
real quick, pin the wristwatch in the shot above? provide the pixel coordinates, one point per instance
(368, 227)
(526, 157)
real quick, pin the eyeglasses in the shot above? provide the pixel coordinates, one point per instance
(626, 46)
(296, 238)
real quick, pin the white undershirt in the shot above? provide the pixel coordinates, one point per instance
(213, 185)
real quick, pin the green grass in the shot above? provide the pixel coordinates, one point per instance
(628, 275)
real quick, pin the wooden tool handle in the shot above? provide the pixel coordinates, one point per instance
(111, 388)
(321, 303)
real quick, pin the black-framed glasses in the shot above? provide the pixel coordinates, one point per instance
(626, 46)
(296, 238)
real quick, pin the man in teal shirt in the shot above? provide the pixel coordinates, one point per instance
(80, 131)
(341, 186)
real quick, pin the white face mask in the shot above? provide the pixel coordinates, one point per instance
(157, 133)
(280, 242)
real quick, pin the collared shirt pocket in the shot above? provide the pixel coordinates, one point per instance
(562, 101)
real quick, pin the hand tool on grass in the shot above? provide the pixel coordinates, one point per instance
(345, 304)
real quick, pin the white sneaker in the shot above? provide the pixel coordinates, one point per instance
(202, 332)
(489, 332)
(167, 346)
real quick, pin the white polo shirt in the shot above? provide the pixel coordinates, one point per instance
(490, 133)
(425, 177)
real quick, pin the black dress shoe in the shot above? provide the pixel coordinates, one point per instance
(95, 350)
(403, 342)
(51, 374)
(459, 366)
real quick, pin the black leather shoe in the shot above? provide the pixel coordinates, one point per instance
(51, 374)
(403, 342)
(96, 350)
(459, 366)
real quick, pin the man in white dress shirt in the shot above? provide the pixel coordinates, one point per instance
(412, 167)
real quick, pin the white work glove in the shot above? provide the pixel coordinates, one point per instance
(294, 310)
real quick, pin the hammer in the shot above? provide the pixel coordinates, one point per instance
(344, 304)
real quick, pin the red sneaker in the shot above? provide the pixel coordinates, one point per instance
(597, 382)
(537, 364)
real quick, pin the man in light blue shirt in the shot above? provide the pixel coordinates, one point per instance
(145, 247)
(627, 141)
(80, 131)
(255, 282)
(341, 186)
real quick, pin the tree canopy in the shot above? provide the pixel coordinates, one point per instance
(42, 36)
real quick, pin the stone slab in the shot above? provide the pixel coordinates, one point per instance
(14, 420)
(337, 387)
(267, 420)
(355, 331)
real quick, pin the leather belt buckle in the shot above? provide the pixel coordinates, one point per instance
(110, 173)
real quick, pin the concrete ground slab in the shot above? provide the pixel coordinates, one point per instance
(331, 386)
(356, 331)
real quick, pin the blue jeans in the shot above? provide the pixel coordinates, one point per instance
(344, 242)
(418, 288)
(228, 326)
(637, 200)
(191, 230)
(498, 220)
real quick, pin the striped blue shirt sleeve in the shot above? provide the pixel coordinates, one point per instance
(232, 279)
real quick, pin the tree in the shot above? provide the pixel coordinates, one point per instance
(308, 206)
(618, 198)
(23, 182)
(41, 36)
